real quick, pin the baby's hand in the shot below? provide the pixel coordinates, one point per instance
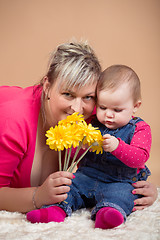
(110, 143)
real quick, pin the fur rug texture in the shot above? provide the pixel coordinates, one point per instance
(143, 225)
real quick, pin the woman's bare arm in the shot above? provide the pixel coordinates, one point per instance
(16, 199)
(53, 190)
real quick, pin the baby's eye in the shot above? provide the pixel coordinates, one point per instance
(102, 108)
(118, 110)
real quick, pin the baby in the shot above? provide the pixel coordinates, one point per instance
(104, 181)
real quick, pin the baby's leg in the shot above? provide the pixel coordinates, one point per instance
(108, 217)
(45, 215)
(114, 203)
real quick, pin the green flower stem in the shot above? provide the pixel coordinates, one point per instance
(68, 159)
(65, 160)
(76, 153)
(76, 163)
(60, 163)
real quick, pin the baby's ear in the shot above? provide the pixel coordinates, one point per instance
(136, 106)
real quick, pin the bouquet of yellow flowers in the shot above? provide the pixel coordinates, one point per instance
(73, 132)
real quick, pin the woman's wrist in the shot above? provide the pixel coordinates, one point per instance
(34, 198)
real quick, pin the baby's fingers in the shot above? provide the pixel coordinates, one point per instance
(106, 136)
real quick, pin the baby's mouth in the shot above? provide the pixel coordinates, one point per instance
(109, 122)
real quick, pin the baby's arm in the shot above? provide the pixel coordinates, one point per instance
(137, 153)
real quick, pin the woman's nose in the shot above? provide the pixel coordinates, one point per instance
(77, 106)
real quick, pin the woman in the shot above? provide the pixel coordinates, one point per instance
(25, 115)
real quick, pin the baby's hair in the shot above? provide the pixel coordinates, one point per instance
(115, 75)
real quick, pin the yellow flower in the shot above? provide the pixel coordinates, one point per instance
(90, 133)
(74, 118)
(58, 138)
(73, 132)
(75, 135)
(94, 139)
(62, 137)
(97, 147)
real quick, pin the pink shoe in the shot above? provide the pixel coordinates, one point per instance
(45, 215)
(107, 218)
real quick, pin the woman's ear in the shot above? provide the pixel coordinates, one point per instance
(46, 87)
(136, 106)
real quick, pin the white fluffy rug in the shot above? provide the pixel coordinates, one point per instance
(143, 225)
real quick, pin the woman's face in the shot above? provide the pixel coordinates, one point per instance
(64, 102)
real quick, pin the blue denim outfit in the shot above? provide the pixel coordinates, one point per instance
(102, 180)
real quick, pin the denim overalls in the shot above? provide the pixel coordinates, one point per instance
(103, 180)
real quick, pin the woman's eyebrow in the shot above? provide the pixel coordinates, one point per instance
(90, 93)
(74, 93)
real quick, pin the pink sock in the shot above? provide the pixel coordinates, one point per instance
(108, 217)
(45, 215)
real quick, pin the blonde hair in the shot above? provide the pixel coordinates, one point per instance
(115, 75)
(73, 64)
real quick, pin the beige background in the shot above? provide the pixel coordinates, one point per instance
(120, 31)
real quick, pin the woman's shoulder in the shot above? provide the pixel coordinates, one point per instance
(11, 93)
(14, 96)
(19, 105)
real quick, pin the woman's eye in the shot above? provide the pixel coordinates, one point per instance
(67, 94)
(88, 98)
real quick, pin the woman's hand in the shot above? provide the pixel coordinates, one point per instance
(149, 192)
(54, 189)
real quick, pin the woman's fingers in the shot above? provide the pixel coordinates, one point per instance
(61, 190)
(62, 174)
(142, 191)
(61, 178)
(144, 202)
(145, 188)
(141, 184)
(61, 181)
(55, 188)
(149, 194)
(60, 198)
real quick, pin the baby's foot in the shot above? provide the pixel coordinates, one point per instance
(45, 215)
(108, 217)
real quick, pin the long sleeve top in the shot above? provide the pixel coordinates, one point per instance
(137, 152)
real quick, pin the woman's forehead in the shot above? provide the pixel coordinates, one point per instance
(87, 88)
(78, 82)
(75, 86)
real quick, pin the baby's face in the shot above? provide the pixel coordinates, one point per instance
(115, 107)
